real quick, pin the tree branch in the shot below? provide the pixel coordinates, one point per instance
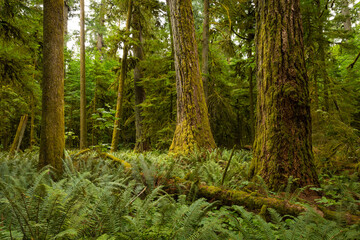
(353, 63)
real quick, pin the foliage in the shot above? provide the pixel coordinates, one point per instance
(96, 199)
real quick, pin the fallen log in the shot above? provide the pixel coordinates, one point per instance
(81, 152)
(126, 165)
(252, 201)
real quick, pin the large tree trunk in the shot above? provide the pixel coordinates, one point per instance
(282, 145)
(205, 48)
(120, 93)
(52, 122)
(83, 127)
(142, 144)
(192, 124)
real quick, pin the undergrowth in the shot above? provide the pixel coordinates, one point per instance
(97, 199)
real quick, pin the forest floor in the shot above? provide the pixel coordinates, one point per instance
(155, 195)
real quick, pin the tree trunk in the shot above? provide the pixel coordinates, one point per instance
(32, 122)
(83, 127)
(172, 67)
(120, 93)
(19, 134)
(100, 40)
(52, 122)
(205, 49)
(142, 144)
(66, 17)
(345, 11)
(283, 146)
(192, 124)
(325, 77)
(322, 68)
(251, 99)
(99, 46)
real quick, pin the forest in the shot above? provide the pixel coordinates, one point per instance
(180, 119)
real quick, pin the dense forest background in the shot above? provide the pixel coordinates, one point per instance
(128, 172)
(331, 42)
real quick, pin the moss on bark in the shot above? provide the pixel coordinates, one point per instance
(282, 146)
(52, 122)
(192, 125)
(252, 201)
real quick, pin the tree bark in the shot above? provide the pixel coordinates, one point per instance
(283, 146)
(100, 40)
(205, 49)
(99, 46)
(32, 122)
(192, 124)
(172, 67)
(120, 93)
(142, 144)
(345, 11)
(251, 99)
(19, 134)
(52, 122)
(252, 201)
(66, 17)
(83, 127)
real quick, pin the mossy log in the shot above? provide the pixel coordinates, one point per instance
(81, 152)
(126, 165)
(252, 201)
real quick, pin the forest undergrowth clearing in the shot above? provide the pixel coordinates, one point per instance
(167, 197)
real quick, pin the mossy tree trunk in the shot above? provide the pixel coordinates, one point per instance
(142, 143)
(83, 127)
(192, 124)
(120, 92)
(52, 122)
(283, 146)
(205, 48)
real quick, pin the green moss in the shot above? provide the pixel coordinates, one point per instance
(193, 127)
(282, 146)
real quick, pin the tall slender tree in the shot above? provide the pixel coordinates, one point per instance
(120, 92)
(142, 143)
(283, 146)
(83, 127)
(52, 123)
(192, 123)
